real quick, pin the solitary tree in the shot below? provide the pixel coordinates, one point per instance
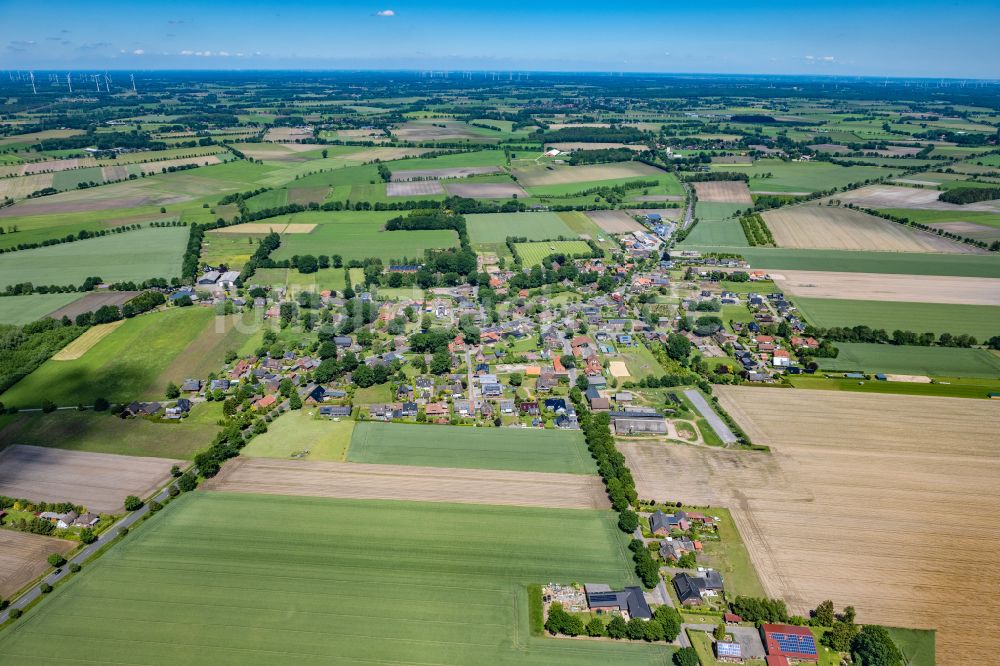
(133, 503)
(172, 390)
(56, 560)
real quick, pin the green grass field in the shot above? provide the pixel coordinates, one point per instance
(716, 226)
(299, 431)
(105, 433)
(978, 389)
(533, 253)
(24, 309)
(905, 263)
(234, 579)
(906, 360)
(126, 365)
(476, 448)
(917, 645)
(134, 255)
(495, 228)
(978, 320)
(803, 176)
(359, 235)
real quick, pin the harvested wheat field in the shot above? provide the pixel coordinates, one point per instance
(568, 175)
(82, 344)
(834, 228)
(22, 558)
(159, 167)
(283, 134)
(49, 166)
(888, 196)
(451, 172)
(614, 221)
(723, 191)
(402, 482)
(890, 287)
(841, 509)
(413, 189)
(21, 186)
(98, 481)
(485, 190)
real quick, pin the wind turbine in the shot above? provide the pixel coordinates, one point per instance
(107, 83)
(32, 76)
(132, 77)
(69, 82)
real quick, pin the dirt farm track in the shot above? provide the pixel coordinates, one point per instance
(401, 482)
(887, 502)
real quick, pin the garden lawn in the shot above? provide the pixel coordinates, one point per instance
(978, 320)
(121, 367)
(910, 360)
(98, 432)
(474, 448)
(299, 431)
(368, 581)
(25, 309)
(133, 255)
(495, 228)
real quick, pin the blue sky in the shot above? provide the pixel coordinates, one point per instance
(847, 37)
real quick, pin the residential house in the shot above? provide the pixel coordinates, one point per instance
(630, 601)
(335, 411)
(191, 385)
(693, 589)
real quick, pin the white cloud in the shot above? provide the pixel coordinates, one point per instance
(187, 53)
(224, 54)
(139, 52)
(385, 12)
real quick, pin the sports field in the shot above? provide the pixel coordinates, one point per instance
(978, 320)
(364, 581)
(909, 360)
(124, 366)
(533, 253)
(476, 448)
(496, 227)
(133, 255)
(301, 435)
(24, 309)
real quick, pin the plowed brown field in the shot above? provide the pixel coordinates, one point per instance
(22, 558)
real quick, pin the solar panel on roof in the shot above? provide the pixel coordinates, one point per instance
(795, 643)
(603, 598)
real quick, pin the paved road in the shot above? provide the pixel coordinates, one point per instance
(127, 521)
(720, 428)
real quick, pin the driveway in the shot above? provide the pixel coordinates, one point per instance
(720, 428)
